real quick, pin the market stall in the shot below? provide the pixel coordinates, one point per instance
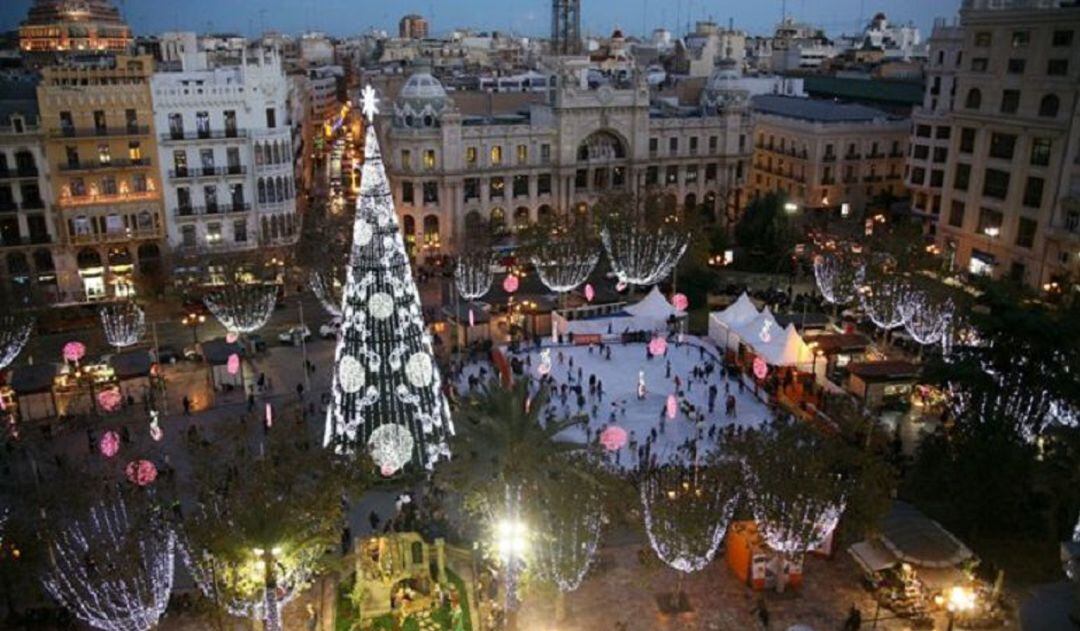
(837, 350)
(133, 370)
(883, 383)
(224, 359)
(722, 324)
(32, 389)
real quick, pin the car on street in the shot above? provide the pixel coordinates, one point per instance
(294, 334)
(330, 329)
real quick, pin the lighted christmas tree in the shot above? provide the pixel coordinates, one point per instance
(387, 392)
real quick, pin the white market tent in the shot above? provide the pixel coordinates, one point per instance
(759, 333)
(654, 308)
(650, 314)
(793, 352)
(723, 323)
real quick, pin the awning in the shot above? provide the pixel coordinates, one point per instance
(915, 538)
(872, 556)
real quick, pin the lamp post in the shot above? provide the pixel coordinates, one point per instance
(511, 542)
(193, 320)
(957, 600)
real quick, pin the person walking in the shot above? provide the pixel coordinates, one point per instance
(762, 613)
(854, 620)
(187, 405)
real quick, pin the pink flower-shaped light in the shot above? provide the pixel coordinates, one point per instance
(657, 346)
(156, 433)
(672, 406)
(233, 364)
(472, 318)
(230, 337)
(620, 286)
(387, 470)
(74, 351)
(613, 438)
(761, 369)
(110, 400)
(141, 472)
(680, 302)
(590, 293)
(109, 444)
(269, 415)
(510, 283)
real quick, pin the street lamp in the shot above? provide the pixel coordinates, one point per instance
(511, 543)
(957, 600)
(193, 320)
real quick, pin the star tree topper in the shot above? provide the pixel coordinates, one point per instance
(370, 103)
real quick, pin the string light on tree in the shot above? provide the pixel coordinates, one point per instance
(564, 264)
(384, 365)
(925, 316)
(124, 323)
(473, 275)
(642, 256)
(328, 291)
(14, 332)
(566, 541)
(113, 572)
(838, 279)
(242, 307)
(883, 299)
(391, 447)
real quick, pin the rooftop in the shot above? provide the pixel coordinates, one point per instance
(816, 110)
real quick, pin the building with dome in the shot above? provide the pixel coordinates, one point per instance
(56, 28)
(461, 169)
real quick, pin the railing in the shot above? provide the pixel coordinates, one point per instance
(40, 239)
(17, 173)
(178, 136)
(33, 204)
(118, 235)
(119, 163)
(118, 198)
(7, 205)
(829, 157)
(219, 209)
(99, 132)
(197, 172)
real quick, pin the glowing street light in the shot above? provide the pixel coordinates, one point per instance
(511, 539)
(957, 600)
(193, 320)
(791, 208)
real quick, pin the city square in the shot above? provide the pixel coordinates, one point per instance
(539, 330)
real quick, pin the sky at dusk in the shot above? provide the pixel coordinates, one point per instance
(531, 17)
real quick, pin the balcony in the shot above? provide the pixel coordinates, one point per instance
(99, 132)
(829, 157)
(118, 198)
(119, 163)
(201, 172)
(216, 134)
(875, 155)
(33, 204)
(118, 236)
(34, 239)
(219, 209)
(853, 156)
(21, 172)
(8, 205)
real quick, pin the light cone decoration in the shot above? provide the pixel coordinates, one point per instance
(385, 370)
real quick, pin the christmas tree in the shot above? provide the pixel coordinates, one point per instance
(387, 392)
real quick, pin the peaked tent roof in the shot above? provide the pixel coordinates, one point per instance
(750, 331)
(654, 306)
(738, 312)
(794, 350)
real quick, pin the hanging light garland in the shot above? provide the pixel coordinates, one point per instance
(110, 572)
(925, 316)
(14, 332)
(568, 538)
(124, 323)
(243, 308)
(687, 513)
(640, 256)
(473, 275)
(838, 279)
(883, 300)
(565, 264)
(328, 291)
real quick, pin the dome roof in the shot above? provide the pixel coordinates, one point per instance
(617, 34)
(422, 86)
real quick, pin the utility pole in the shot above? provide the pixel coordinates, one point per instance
(303, 344)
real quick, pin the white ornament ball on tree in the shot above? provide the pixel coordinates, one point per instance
(419, 370)
(391, 447)
(362, 233)
(381, 306)
(350, 374)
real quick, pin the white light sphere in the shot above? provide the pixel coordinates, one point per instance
(381, 306)
(419, 370)
(362, 233)
(351, 374)
(391, 447)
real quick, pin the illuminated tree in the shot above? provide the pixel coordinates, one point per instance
(123, 323)
(564, 264)
(838, 278)
(473, 274)
(112, 569)
(883, 298)
(926, 316)
(567, 534)
(385, 371)
(641, 255)
(240, 307)
(14, 332)
(327, 289)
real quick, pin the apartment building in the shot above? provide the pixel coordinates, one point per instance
(1010, 205)
(56, 28)
(101, 151)
(827, 155)
(224, 150)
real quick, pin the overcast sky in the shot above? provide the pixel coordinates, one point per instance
(344, 17)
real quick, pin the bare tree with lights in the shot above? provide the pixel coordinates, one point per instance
(14, 333)
(327, 289)
(687, 511)
(242, 307)
(473, 274)
(641, 255)
(112, 569)
(883, 298)
(568, 533)
(926, 316)
(838, 277)
(123, 323)
(563, 264)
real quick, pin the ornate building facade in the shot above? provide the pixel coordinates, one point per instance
(454, 173)
(58, 27)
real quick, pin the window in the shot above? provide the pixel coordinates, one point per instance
(429, 158)
(989, 222)
(714, 143)
(183, 198)
(104, 153)
(618, 176)
(545, 153)
(496, 188)
(967, 140)
(918, 176)
(72, 154)
(138, 183)
(962, 176)
(654, 144)
(187, 235)
(230, 123)
(1033, 192)
(271, 118)
(100, 124)
(522, 154)
(974, 99)
(472, 188)
(1021, 39)
(232, 159)
(407, 196)
(1062, 39)
(691, 173)
(202, 124)
(210, 198)
(431, 192)
(652, 176)
(543, 184)
(213, 232)
(239, 231)
(406, 159)
(937, 178)
(921, 152)
(1057, 67)
(470, 156)
(956, 214)
(496, 155)
(710, 172)
(942, 132)
(581, 179)
(1002, 146)
(693, 145)
(176, 126)
(1025, 232)
(672, 175)
(983, 39)
(1040, 152)
(941, 154)
(922, 131)
(979, 64)
(135, 152)
(521, 186)
(1016, 66)
(996, 184)
(1010, 101)
(1048, 107)
(180, 162)
(673, 146)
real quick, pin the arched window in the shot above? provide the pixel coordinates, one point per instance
(521, 218)
(280, 186)
(601, 145)
(544, 213)
(690, 202)
(1049, 106)
(498, 220)
(431, 229)
(275, 227)
(408, 225)
(261, 186)
(974, 99)
(43, 261)
(474, 223)
(288, 188)
(258, 153)
(265, 229)
(276, 153)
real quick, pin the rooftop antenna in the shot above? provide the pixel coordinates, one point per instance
(645, 19)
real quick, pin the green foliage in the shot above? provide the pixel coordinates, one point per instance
(766, 232)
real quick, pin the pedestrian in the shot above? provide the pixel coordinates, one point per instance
(762, 613)
(300, 391)
(251, 403)
(346, 540)
(854, 620)
(187, 405)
